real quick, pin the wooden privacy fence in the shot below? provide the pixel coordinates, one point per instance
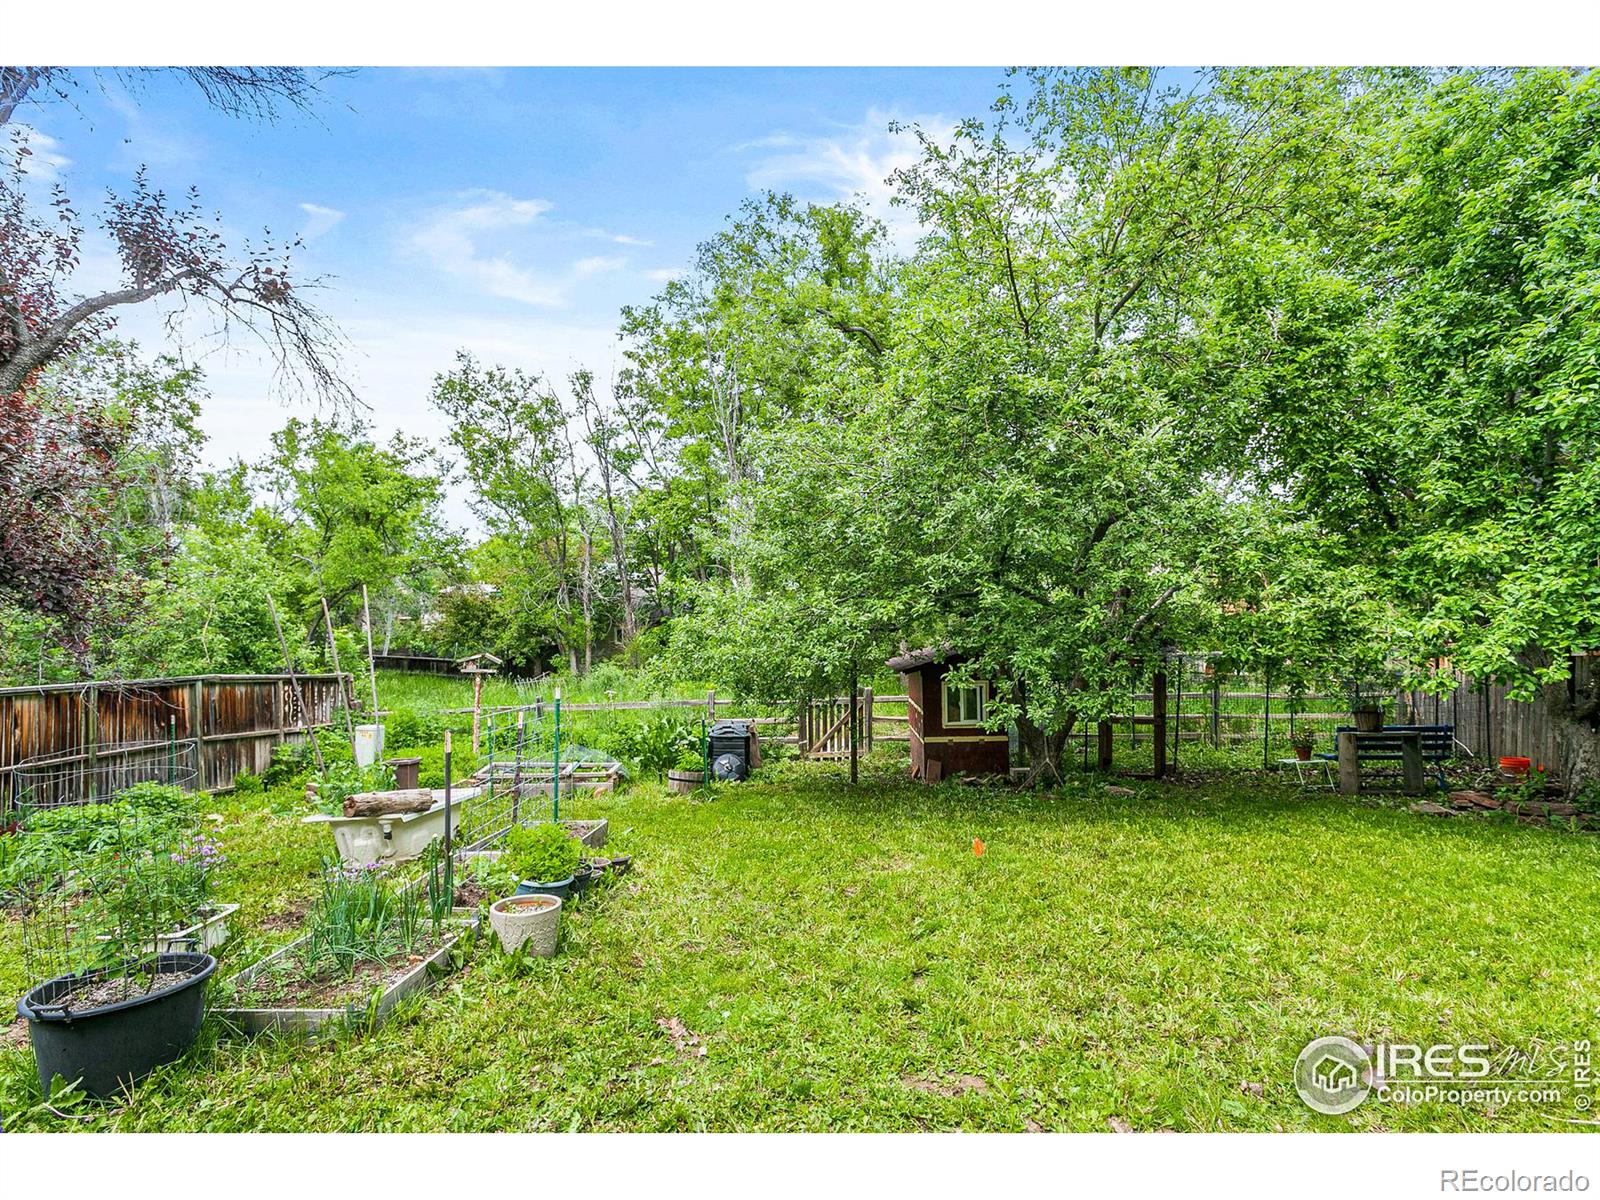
(234, 722)
(1490, 724)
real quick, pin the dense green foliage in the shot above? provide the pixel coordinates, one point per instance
(544, 853)
(1297, 366)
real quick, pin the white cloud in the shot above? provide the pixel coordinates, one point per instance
(852, 162)
(45, 161)
(621, 239)
(502, 246)
(597, 265)
(664, 274)
(321, 219)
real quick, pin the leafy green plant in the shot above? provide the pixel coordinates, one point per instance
(362, 914)
(247, 784)
(493, 875)
(154, 893)
(545, 852)
(1303, 738)
(691, 759)
(139, 820)
(656, 744)
(342, 780)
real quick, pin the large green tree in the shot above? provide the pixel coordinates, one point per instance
(1427, 383)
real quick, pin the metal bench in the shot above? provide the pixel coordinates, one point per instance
(1408, 745)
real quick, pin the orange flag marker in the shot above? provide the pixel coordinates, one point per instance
(977, 847)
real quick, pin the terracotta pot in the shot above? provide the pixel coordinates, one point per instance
(1303, 753)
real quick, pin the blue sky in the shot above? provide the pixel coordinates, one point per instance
(511, 212)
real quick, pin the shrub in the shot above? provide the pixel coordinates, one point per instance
(545, 853)
(246, 784)
(406, 727)
(656, 744)
(691, 760)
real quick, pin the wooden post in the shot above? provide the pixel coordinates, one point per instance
(1103, 746)
(1349, 765)
(855, 725)
(477, 709)
(197, 730)
(1216, 708)
(1158, 718)
(349, 721)
(867, 716)
(1411, 762)
(711, 704)
(294, 682)
(91, 739)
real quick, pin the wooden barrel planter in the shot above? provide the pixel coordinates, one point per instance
(685, 781)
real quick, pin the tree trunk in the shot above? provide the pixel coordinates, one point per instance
(1575, 716)
(1045, 749)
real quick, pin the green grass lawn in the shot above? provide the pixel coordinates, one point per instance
(795, 955)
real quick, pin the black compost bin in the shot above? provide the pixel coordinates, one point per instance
(730, 750)
(114, 1046)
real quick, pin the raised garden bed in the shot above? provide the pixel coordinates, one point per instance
(306, 1007)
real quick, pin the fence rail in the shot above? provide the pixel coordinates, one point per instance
(235, 721)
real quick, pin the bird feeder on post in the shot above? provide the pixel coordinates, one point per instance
(474, 665)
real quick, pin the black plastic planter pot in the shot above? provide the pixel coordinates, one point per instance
(112, 1047)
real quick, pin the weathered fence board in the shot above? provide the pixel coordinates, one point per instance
(236, 720)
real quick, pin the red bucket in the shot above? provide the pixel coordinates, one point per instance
(1515, 765)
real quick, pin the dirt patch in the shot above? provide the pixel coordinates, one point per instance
(290, 918)
(117, 988)
(286, 986)
(472, 893)
(947, 1084)
(14, 1035)
(687, 1043)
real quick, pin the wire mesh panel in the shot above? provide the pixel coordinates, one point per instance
(100, 772)
(107, 884)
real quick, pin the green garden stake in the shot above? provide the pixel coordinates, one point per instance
(449, 849)
(555, 774)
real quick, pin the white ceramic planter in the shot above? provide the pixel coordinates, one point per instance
(393, 836)
(203, 936)
(534, 920)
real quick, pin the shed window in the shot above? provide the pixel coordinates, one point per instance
(964, 705)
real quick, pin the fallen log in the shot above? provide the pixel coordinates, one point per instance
(379, 804)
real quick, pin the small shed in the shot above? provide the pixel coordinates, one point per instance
(947, 721)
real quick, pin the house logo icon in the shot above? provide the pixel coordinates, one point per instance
(1333, 1075)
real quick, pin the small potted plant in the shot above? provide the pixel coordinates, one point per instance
(689, 773)
(1303, 740)
(544, 858)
